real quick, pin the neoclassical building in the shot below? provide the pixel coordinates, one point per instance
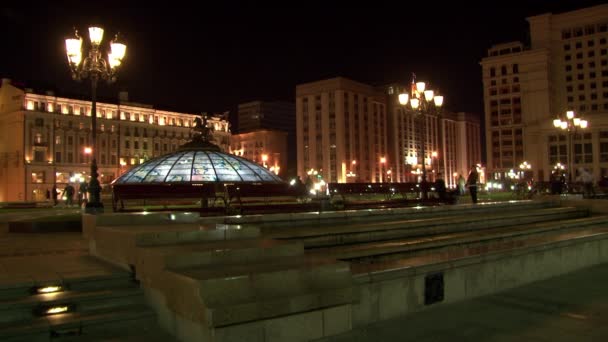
(43, 139)
(350, 132)
(526, 87)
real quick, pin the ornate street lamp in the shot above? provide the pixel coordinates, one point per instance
(524, 166)
(95, 66)
(570, 124)
(422, 102)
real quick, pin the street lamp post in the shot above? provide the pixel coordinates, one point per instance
(382, 163)
(422, 102)
(570, 125)
(94, 65)
(524, 166)
(435, 160)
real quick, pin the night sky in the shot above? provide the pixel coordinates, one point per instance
(212, 58)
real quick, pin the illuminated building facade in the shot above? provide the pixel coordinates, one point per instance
(263, 146)
(526, 87)
(43, 139)
(341, 131)
(270, 117)
(452, 141)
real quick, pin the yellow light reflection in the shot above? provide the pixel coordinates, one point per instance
(56, 310)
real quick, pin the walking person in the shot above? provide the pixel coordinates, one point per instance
(472, 183)
(54, 194)
(587, 178)
(461, 184)
(69, 195)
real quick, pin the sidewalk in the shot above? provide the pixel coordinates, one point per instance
(572, 307)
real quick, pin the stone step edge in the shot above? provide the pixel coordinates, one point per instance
(48, 323)
(425, 223)
(68, 297)
(316, 216)
(399, 272)
(273, 266)
(323, 300)
(544, 227)
(65, 281)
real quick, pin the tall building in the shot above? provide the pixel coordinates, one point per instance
(265, 147)
(43, 139)
(341, 131)
(352, 132)
(452, 140)
(565, 67)
(275, 115)
(268, 118)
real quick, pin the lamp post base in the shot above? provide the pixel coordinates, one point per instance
(94, 208)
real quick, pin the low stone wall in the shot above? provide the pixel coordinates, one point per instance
(385, 295)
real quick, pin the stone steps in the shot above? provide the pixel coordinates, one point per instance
(152, 259)
(78, 324)
(239, 293)
(270, 223)
(395, 229)
(118, 244)
(83, 305)
(442, 242)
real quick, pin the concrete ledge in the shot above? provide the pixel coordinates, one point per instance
(391, 293)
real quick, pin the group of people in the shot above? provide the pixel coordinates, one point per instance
(470, 182)
(68, 193)
(558, 182)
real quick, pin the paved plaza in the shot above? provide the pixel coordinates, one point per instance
(572, 307)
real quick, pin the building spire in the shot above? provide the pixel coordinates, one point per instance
(413, 87)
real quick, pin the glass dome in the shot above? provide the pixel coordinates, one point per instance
(200, 166)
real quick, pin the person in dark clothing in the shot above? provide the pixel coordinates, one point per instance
(69, 194)
(556, 183)
(48, 195)
(440, 187)
(472, 180)
(54, 194)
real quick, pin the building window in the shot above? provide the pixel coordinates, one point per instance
(70, 157)
(70, 140)
(39, 155)
(515, 68)
(38, 177)
(57, 157)
(39, 122)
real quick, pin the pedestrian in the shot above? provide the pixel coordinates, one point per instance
(587, 178)
(556, 183)
(69, 195)
(440, 187)
(82, 193)
(54, 194)
(48, 195)
(472, 183)
(461, 184)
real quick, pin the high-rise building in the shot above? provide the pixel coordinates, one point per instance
(263, 146)
(527, 86)
(268, 118)
(275, 115)
(353, 132)
(341, 131)
(452, 140)
(43, 139)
